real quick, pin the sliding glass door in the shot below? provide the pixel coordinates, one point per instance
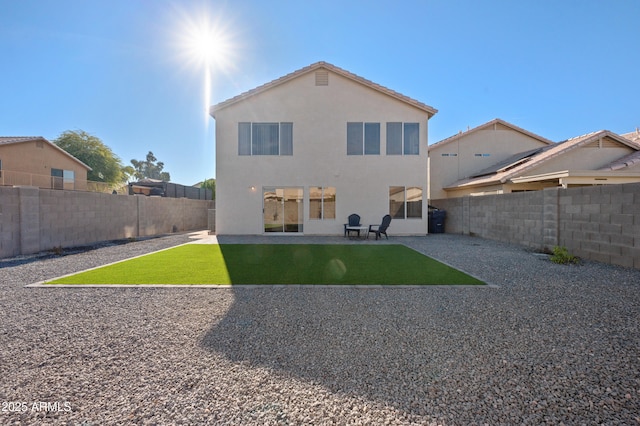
(282, 209)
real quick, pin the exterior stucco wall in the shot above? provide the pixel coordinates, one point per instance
(31, 163)
(319, 115)
(494, 144)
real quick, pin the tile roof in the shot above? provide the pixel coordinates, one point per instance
(430, 110)
(632, 136)
(630, 160)
(545, 154)
(6, 140)
(489, 124)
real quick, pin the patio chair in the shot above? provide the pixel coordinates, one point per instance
(353, 221)
(382, 228)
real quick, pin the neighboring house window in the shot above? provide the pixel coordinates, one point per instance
(265, 138)
(363, 138)
(403, 138)
(68, 179)
(405, 202)
(449, 155)
(483, 155)
(62, 179)
(322, 202)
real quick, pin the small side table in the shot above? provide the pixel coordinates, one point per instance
(357, 229)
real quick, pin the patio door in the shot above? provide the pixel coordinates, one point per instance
(282, 209)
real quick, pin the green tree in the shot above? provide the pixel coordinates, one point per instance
(210, 184)
(150, 168)
(105, 165)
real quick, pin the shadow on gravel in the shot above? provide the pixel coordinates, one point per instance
(365, 342)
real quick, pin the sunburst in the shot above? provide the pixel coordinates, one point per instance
(206, 43)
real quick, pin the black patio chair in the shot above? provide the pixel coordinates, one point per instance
(353, 220)
(382, 228)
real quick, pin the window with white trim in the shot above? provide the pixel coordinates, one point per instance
(265, 138)
(405, 202)
(322, 202)
(363, 138)
(403, 138)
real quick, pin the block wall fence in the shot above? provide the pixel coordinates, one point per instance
(33, 219)
(600, 223)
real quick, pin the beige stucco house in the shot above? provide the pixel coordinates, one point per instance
(34, 161)
(598, 158)
(467, 153)
(303, 152)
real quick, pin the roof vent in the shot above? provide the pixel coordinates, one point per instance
(322, 78)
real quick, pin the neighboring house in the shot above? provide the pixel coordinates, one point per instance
(467, 153)
(303, 152)
(34, 161)
(598, 158)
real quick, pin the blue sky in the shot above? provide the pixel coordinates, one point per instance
(120, 69)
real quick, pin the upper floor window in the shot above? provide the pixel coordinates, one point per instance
(363, 138)
(403, 138)
(265, 138)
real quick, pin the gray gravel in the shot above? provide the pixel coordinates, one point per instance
(551, 344)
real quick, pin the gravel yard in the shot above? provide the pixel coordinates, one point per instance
(545, 344)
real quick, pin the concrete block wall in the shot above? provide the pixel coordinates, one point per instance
(73, 218)
(33, 219)
(9, 221)
(600, 223)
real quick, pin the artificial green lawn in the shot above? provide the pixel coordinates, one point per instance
(276, 264)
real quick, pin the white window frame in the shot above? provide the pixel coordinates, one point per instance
(405, 205)
(362, 149)
(403, 141)
(322, 198)
(246, 129)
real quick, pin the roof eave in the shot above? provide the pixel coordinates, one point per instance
(40, 138)
(313, 67)
(457, 136)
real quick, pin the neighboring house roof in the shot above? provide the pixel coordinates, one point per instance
(495, 121)
(630, 160)
(502, 174)
(8, 140)
(313, 67)
(632, 136)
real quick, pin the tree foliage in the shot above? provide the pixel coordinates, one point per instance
(210, 184)
(105, 165)
(150, 168)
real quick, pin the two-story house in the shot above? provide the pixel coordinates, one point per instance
(468, 153)
(303, 152)
(597, 158)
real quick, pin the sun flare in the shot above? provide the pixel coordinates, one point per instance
(206, 44)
